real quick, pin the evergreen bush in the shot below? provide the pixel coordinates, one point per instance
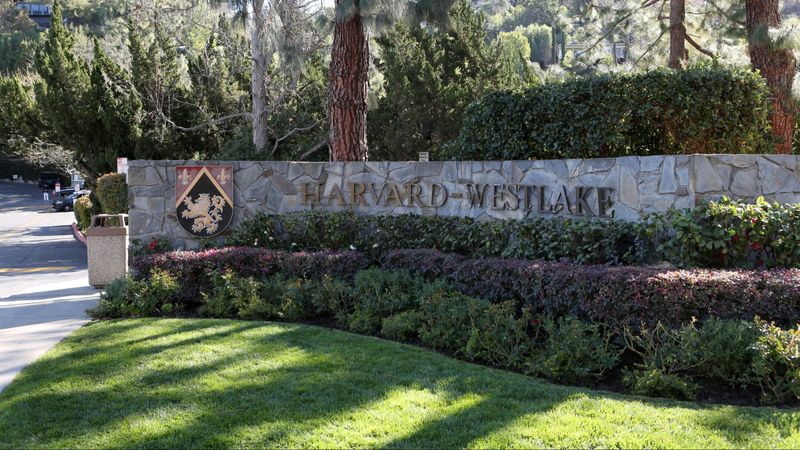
(112, 191)
(83, 212)
(701, 109)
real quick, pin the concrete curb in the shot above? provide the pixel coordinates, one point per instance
(76, 232)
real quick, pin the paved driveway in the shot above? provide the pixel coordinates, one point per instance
(44, 289)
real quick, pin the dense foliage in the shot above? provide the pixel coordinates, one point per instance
(430, 75)
(194, 268)
(571, 324)
(726, 233)
(703, 109)
(729, 234)
(112, 192)
(83, 212)
(584, 241)
(616, 296)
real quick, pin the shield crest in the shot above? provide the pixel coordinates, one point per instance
(204, 199)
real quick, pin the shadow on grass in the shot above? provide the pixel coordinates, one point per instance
(204, 383)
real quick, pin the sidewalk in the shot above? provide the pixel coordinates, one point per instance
(44, 290)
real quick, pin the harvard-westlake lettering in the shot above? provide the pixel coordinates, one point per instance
(581, 200)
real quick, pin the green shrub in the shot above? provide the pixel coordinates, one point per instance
(298, 300)
(263, 300)
(230, 294)
(726, 233)
(403, 326)
(670, 351)
(499, 337)
(729, 233)
(448, 318)
(127, 297)
(776, 366)
(722, 350)
(112, 191)
(83, 212)
(115, 301)
(572, 350)
(333, 298)
(379, 294)
(583, 241)
(701, 109)
(655, 383)
(160, 244)
(727, 350)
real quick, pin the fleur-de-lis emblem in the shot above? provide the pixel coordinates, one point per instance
(223, 177)
(184, 177)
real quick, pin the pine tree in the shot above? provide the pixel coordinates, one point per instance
(349, 70)
(117, 106)
(63, 94)
(156, 75)
(774, 58)
(215, 93)
(431, 75)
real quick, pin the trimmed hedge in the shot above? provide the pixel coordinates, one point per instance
(701, 109)
(112, 192)
(582, 241)
(195, 269)
(726, 234)
(83, 212)
(616, 296)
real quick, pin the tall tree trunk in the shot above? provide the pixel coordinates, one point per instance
(776, 65)
(677, 33)
(349, 82)
(258, 79)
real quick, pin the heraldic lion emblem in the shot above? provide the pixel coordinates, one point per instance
(206, 212)
(203, 202)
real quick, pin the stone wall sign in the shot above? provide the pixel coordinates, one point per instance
(190, 200)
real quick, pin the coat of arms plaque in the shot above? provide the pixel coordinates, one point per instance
(204, 199)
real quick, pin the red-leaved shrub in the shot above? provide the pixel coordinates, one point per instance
(193, 268)
(616, 296)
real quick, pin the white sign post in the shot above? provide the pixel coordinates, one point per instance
(122, 166)
(424, 156)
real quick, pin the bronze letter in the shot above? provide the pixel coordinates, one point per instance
(562, 202)
(337, 195)
(441, 189)
(393, 197)
(498, 196)
(542, 206)
(477, 194)
(357, 191)
(312, 195)
(414, 192)
(583, 207)
(514, 194)
(604, 202)
(376, 198)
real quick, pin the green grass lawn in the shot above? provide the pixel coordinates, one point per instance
(222, 383)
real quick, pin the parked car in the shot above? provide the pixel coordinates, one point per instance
(67, 203)
(48, 180)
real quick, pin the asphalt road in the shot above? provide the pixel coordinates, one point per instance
(44, 289)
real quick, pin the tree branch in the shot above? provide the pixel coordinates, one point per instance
(698, 47)
(310, 151)
(645, 4)
(296, 130)
(206, 124)
(650, 47)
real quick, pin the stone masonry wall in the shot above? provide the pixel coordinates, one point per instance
(611, 188)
